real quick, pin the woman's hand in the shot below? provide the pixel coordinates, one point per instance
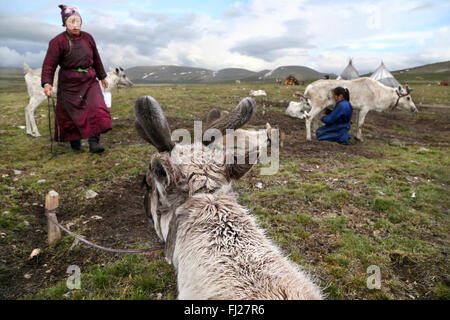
(105, 84)
(48, 90)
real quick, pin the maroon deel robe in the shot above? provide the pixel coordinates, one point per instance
(81, 111)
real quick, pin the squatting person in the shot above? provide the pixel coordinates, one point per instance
(337, 123)
(81, 112)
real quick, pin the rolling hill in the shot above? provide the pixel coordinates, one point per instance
(168, 74)
(179, 74)
(300, 72)
(429, 68)
(431, 72)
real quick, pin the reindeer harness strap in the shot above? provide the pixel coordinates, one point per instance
(398, 99)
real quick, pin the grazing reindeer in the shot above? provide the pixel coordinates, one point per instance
(215, 245)
(36, 92)
(256, 138)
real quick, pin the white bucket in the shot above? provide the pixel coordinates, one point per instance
(107, 97)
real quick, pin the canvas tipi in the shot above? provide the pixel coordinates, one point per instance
(385, 77)
(349, 72)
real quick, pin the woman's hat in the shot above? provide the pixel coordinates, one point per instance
(67, 11)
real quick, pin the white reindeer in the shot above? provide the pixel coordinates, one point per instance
(251, 139)
(365, 95)
(214, 243)
(115, 77)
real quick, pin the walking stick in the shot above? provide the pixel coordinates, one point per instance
(53, 154)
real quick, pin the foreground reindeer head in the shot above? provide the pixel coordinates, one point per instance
(176, 173)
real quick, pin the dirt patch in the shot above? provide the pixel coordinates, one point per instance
(123, 225)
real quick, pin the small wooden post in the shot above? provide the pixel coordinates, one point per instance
(51, 203)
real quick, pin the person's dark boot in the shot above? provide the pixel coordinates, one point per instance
(94, 145)
(76, 146)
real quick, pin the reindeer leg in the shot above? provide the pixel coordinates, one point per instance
(34, 129)
(361, 116)
(316, 123)
(27, 118)
(312, 114)
(357, 121)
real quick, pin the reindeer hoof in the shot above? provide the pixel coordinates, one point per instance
(35, 135)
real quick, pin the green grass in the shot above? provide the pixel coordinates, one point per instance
(422, 77)
(131, 278)
(338, 217)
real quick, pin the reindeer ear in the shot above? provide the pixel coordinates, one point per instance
(117, 71)
(120, 68)
(151, 124)
(243, 112)
(141, 133)
(213, 115)
(159, 173)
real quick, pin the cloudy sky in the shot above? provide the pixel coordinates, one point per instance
(251, 34)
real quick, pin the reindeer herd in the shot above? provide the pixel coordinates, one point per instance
(214, 243)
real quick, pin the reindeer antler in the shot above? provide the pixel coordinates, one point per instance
(408, 89)
(299, 95)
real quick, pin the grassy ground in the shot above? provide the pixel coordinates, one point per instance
(333, 210)
(423, 77)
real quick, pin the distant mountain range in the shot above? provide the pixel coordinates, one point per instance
(177, 74)
(180, 74)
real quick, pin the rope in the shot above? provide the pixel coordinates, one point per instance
(142, 250)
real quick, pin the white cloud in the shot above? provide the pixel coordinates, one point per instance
(258, 34)
(10, 57)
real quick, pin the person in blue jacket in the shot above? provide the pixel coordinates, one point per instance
(337, 123)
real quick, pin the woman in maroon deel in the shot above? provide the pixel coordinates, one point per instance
(81, 112)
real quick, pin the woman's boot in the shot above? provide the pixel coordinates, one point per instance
(76, 146)
(94, 145)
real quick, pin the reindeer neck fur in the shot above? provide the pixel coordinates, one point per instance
(208, 234)
(221, 253)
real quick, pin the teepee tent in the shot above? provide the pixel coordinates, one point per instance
(349, 72)
(384, 76)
